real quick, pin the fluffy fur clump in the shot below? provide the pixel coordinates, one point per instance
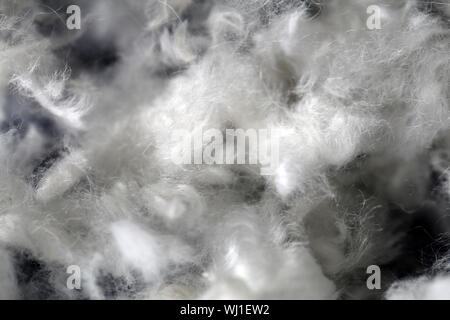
(86, 123)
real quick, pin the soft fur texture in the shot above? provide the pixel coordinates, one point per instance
(86, 121)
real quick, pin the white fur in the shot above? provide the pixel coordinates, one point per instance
(115, 204)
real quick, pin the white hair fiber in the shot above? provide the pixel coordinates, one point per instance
(86, 132)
